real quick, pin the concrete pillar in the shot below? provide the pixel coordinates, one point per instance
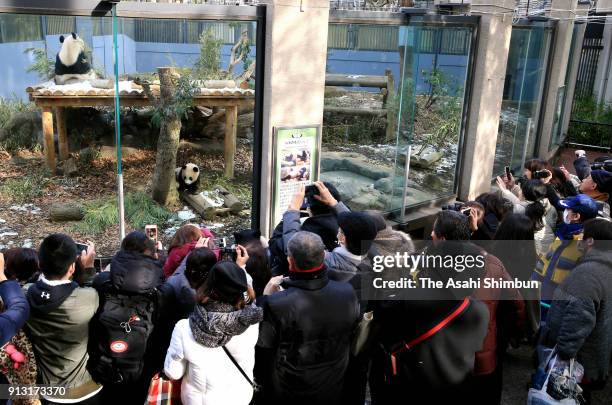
(486, 96)
(564, 10)
(602, 89)
(294, 82)
(572, 70)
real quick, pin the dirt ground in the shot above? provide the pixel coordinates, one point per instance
(23, 225)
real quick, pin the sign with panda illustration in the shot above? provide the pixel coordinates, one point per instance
(71, 64)
(295, 162)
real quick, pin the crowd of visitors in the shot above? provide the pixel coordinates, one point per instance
(295, 319)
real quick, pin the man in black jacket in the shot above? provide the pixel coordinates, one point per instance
(580, 318)
(322, 221)
(304, 339)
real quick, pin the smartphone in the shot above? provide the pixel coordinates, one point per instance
(151, 232)
(466, 211)
(507, 170)
(100, 263)
(540, 174)
(81, 246)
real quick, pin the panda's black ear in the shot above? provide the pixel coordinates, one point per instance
(196, 169)
(184, 167)
(73, 35)
(61, 39)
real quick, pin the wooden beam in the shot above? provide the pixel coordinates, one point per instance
(231, 120)
(355, 80)
(49, 145)
(390, 98)
(62, 136)
(377, 112)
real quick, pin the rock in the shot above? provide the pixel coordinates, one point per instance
(27, 244)
(384, 185)
(426, 159)
(353, 162)
(69, 167)
(368, 201)
(59, 212)
(433, 181)
(110, 152)
(23, 129)
(204, 146)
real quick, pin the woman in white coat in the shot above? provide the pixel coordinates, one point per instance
(221, 319)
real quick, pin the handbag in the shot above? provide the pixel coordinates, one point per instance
(363, 334)
(256, 387)
(164, 391)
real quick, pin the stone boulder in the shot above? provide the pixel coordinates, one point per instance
(355, 163)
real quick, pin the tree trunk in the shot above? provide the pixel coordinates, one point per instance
(164, 182)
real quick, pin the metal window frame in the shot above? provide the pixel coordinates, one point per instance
(131, 9)
(255, 13)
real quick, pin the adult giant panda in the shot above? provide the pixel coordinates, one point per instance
(71, 64)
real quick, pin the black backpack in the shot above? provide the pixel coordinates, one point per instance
(120, 333)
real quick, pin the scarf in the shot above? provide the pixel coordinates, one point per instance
(214, 324)
(567, 231)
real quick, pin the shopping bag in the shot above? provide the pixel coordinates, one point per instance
(164, 391)
(549, 379)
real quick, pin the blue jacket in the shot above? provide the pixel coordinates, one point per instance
(16, 310)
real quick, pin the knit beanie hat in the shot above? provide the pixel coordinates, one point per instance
(359, 230)
(226, 280)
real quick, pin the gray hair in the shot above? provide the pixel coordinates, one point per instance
(306, 249)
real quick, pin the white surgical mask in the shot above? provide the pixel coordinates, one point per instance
(566, 217)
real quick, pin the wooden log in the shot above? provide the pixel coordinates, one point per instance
(230, 200)
(200, 205)
(378, 112)
(49, 145)
(60, 212)
(231, 118)
(355, 80)
(62, 133)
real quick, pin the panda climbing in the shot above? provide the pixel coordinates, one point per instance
(188, 178)
(71, 64)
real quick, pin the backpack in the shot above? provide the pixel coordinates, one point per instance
(120, 333)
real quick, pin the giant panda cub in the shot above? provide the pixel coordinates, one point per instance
(71, 64)
(188, 178)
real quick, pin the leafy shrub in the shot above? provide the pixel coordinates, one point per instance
(589, 133)
(207, 67)
(89, 155)
(24, 189)
(20, 134)
(43, 66)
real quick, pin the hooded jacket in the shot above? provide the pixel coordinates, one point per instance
(16, 310)
(580, 317)
(59, 330)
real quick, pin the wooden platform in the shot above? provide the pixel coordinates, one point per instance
(54, 100)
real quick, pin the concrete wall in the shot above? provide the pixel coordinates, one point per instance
(15, 79)
(486, 97)
(294, 81)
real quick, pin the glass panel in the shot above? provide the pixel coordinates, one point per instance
(212, 59)
(46, 128)
(523, 88)
(390, 88)
(87, 162)
(436, 66)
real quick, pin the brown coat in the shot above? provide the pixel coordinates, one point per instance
(486, 358)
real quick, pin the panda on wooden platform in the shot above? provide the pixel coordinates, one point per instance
(71, 64)
(188, 178)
